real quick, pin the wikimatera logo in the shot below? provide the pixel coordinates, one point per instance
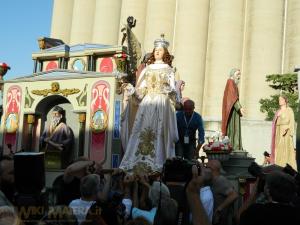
(53, 213)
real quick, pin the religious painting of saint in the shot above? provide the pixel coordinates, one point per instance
(11, 123)
(99, 121)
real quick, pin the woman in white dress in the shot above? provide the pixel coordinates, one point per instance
(154, 132)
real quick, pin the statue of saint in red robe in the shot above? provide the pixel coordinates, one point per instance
(232, 111)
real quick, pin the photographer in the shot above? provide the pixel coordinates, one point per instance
(280, 189)
(177, 174)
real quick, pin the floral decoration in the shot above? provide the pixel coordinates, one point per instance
(217, 144)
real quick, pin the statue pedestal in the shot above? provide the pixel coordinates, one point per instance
(237, 164)
(220, 155)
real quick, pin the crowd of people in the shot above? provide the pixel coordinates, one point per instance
(88, 194)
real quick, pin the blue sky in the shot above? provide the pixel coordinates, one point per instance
(22, 23)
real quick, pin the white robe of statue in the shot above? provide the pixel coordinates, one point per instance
(154, 131)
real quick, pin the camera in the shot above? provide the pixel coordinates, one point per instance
(178, 170)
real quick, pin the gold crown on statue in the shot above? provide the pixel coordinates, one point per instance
(161, 42)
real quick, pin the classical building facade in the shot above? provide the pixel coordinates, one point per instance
(208, 38)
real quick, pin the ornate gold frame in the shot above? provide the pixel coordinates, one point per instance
(105, 123)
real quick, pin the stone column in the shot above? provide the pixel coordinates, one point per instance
(62, 19)
(190, 46)
(34, 66)
(263, 52)
(106, 22)
(292, 38)
(66, 60)
(82, 21)
(82, 120)
(224, 52)
(40, 66)
(89, 63)
(30, 123)
(160, 19)
(60, 62)
(297, 69)
(137, 9)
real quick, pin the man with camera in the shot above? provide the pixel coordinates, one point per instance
(188, 122)
(176, 174)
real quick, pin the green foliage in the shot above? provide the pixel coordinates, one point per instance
(288, 85)
(285, 82)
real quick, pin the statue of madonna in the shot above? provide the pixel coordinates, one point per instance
(154, 131)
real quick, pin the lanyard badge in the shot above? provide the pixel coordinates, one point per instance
(186, 138)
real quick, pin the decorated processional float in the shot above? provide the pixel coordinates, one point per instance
(85, 81)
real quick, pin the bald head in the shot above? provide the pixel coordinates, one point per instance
(188, 107)
(214, 165)
(189, 103)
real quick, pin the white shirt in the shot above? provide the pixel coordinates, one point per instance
(148, 215)
(207, 200)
